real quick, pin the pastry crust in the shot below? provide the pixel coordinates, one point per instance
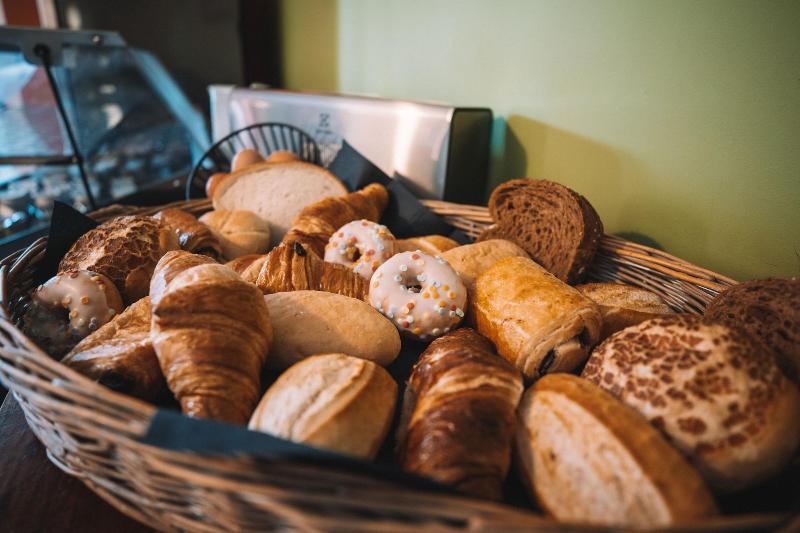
(715, 392)
(331, 401)
(193, 235)
(586, 457)
(459, 415)
(623, 305)
(124, 249)
(538, 323)
(429, 244)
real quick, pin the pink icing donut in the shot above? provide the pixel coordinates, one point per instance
(361, 245)
(422, 295)
(91, 299)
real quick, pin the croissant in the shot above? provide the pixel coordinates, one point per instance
(211, 333)
(120, 355)
(248, 266)
(170, 265)
(289, 267)
(316, 223)
(193, 235)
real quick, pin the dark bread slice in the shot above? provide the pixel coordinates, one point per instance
(556, 226)
(768, 309)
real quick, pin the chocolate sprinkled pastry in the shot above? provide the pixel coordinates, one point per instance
(715, 392)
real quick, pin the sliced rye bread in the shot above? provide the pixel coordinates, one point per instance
(276, 192)
(768, 309)
(558, 227)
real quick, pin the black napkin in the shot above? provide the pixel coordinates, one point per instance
(405, 215)
(172, 431)
(66, 225)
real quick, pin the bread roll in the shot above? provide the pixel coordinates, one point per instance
(558, 227)
(331, 401)
(239, 232)
(588, 458)
(470, 260)
(276, 192)
(312, 322)
(768, 309)
(193, 235)
(248, 266)
(125, 250)
(282, 156)
(714, 391)
(459, 415)
(244, 158)
(212, 184)
(430, 244)
(538, 323)
(623, 305)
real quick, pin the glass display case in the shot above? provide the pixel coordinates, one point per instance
(86, 120)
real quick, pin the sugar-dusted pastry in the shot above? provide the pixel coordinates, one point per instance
(768, 309)
(331, 401)
(459, 415)
(239, 232)
(211, 332)
(290, 267)
(124, 249)
(277, 192)
(193, 236)
(538, 323)
(120, 355)
(317, 222)
(623, 305)
(557, 227)
(361, 245)
(429, 244)
(588, 458)
(714, 391)
(422, 295)
(312, 322)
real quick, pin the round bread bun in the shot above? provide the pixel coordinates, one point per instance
(768, 309)
(213, 183)
(623, 305)
(244, 158)
(282, 156)
(238, 232)
(716, 393)
(429, 244)
(587, 457)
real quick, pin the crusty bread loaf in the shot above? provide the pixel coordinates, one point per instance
(430, 244)
(588, 458)
(558, 227)
(768, 309)
(714, 391)
(120, 355)
(276, 192)
(538, 323)
(459, 415)
(623, 305)
(125, 250)
(312, 322)
(331, 401)
(248, 266)
(239, 232)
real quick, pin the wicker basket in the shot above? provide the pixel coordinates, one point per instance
(91, 432)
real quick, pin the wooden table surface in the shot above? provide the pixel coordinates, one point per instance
(35, 496)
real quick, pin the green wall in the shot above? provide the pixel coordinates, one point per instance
(679, 120)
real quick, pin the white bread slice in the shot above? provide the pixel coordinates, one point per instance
(277, 192)
(589, 458)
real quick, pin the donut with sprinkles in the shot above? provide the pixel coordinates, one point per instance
(422, 295)
(90, 299)
(361, 245)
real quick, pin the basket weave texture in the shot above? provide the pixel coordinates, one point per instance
(90, 431)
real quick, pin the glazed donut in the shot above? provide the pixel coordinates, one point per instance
(91, 298)
(422, 295)
(361, 245)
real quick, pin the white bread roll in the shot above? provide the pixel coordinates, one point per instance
(312, 322)
(470, 260)
(276, 192)
(623, 305)
(331, 401)
(238, 232)
(587, 457)
(716, 393)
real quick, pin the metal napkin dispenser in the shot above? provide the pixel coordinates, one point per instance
(441, 151)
